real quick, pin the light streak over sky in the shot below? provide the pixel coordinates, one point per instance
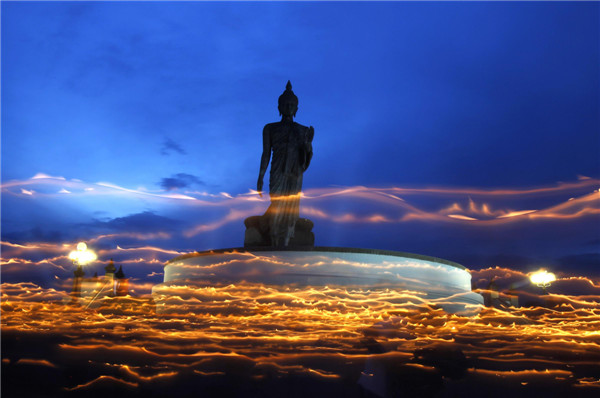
(185, 225)
(586, 202)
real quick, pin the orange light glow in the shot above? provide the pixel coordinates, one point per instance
(478, 207)
(542, 278)
(82, 255)
(315, 332)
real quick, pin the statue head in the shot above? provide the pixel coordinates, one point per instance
(288, 102)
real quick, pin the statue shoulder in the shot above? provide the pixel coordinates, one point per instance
(307, 132)
(270, 126)
(268, 131)
(300, 127)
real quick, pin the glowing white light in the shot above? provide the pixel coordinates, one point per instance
(542, 278)
(82, 255)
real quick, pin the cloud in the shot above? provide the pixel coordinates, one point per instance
(180, 180)
(170, 146)
(590, 262)
(146, 222)
(35, 234)
(593, 242)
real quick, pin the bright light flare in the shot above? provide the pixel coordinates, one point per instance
(542, 278)
(82, 255)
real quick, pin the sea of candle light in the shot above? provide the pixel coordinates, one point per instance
(249, 339)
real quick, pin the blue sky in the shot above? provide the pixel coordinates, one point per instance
(170, 98)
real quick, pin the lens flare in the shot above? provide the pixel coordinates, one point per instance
(82, 255)
(542, 278)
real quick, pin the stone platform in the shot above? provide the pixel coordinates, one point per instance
(437, 281)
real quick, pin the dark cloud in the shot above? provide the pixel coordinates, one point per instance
(593, 242)
(585, 262)
(514, 261)
(146, 221)
(170, 146)
(180, 180)
(35, 234)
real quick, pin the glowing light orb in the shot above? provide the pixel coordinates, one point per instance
(542, 278)
(82, 255)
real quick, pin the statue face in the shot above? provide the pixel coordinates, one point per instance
(288, 108)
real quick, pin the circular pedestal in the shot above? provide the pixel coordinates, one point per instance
(435, 281)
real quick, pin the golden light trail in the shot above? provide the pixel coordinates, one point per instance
(327, 333)
(321, 333)
(460, 217)
(581, 183)
(391, 206)
(32, 361)
(149, 248)
(516, 213)
(233, 215)
(134, 235)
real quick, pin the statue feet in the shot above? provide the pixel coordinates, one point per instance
(258, 234)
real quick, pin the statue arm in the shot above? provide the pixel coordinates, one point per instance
(264, 159)
(311, 133)
(308, 147)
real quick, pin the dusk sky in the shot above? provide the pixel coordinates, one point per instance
(468, 131)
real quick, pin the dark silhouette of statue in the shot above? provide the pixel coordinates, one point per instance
(290, 144)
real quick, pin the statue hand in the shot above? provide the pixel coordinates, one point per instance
(259, 186)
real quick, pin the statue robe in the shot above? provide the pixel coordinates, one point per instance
(291, 145)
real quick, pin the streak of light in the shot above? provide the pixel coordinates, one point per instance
(134, 235)
(149, 248)
(290, 329)
(138, 376)
(479, 214)
(516, 213)
(209, 373)
(324, 374)
(528, 372)
(460, 217)
(232, 215)
(41, 362)
(390, 192)
(100, 380)
(397, 192)
(139, 192)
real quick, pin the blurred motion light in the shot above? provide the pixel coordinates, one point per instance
(542, 278)
(82, 255)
